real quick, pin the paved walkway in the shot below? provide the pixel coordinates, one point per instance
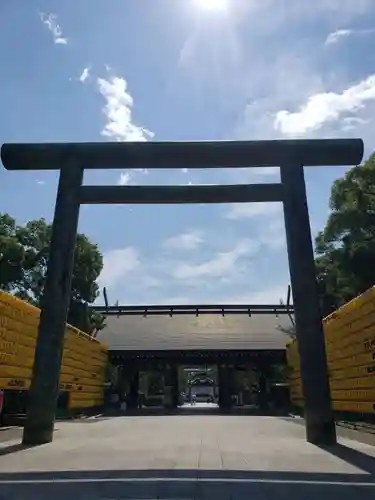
(186, 457)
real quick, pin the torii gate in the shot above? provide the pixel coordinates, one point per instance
(72, 159)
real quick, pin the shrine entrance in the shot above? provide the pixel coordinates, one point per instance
(72, 159)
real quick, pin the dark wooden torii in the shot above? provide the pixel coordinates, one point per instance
(72, 159)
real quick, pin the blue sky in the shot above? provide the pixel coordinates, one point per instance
(91, 70)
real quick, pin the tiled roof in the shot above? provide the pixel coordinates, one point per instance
(191, 332)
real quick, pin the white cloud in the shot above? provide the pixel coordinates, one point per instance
(185, 241)
(325, 107)
(118, 111)
(124, 179)
(50, 21)
(335, 36)
(40, 182)
(273, 234)
(271, 295)
(282, 83)
(226, 277)
(84, 75)
(117, 264)
(222, 264)
(250, 210)
(338, 35)
(353, 122)
(259, 172)
(276, 12)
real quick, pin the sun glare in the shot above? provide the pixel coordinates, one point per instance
(212, 4)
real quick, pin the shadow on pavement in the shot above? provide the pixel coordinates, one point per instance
(360, 434)
(185, 484)
(13, 448)
(352, 457)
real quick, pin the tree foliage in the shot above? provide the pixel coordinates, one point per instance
(15, 258)
(345, 248)
(23, 264)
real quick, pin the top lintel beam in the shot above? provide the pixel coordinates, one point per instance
(203, 154)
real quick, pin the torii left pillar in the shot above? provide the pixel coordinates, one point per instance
(44, 389)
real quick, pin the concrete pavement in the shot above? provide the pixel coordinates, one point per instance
(185, 457)
(10, 433)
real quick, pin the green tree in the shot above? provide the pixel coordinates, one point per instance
(23, 264)
(12, 253)
(345, 248)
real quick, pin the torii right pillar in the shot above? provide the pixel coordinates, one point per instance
(320, 424)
